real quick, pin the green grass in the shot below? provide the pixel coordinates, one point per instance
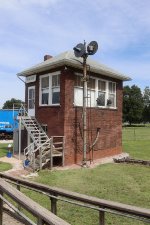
(129, 184)
(123, 183)
(5, 166)
(3, 152)
(136, 142)
(3, 149)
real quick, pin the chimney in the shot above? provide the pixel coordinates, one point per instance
(46, 57)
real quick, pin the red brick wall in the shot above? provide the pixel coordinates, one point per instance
(67, 120)
(108, 120)
(53, 116)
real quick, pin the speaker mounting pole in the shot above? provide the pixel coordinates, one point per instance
(82, 51)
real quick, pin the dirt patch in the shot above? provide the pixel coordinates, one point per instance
(17, 165)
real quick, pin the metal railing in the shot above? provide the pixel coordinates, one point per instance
(102, 206)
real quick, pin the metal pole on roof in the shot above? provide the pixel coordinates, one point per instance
(82, 51)
(84, 162)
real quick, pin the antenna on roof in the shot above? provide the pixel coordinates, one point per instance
(80, 50)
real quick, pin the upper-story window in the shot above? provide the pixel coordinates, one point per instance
(50, 89)
(100, 93)
(55, 89)
(112, 94)
(101, 101)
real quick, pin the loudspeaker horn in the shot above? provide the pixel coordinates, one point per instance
(79, 50)
(92, 47)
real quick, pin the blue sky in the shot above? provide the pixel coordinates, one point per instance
(29, 29)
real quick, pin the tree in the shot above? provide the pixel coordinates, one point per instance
(146, 101)
(13, 102)
(132, 104)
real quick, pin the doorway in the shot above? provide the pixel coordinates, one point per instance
(31, 101)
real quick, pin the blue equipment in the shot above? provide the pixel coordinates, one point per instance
(8, 122)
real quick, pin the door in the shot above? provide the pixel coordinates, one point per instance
(31, 101)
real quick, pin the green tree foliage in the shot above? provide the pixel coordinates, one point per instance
(132, 104)
(146, 96)
(13, 102)
(146, 100)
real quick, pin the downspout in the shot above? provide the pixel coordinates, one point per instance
(21, 79)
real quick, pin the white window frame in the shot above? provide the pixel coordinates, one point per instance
(107, 93)
(50, 89)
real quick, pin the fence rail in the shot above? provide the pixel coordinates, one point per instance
(136, 133)
(43, 215)
(102, 206)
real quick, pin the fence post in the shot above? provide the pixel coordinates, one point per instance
(53, 204)
(40, 221)
(1, 209)
(51, 153)
(101, 218)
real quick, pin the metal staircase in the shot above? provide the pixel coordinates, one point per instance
(42, 149)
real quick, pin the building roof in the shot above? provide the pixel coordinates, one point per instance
(68, 59)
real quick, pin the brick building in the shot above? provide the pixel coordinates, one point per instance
(54, 96)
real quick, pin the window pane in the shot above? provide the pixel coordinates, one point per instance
(78, 96)
(31, 93)
(101, 99)
(55, 80)
(91, 83)
(111, 100)
(45, 82)
(31, 104)
(78, 81)
(56, 96)
(45, 97)
(112, 87)
(91, 102)
(101, 85)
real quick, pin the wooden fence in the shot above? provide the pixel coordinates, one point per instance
(43, 215)
(102, 206)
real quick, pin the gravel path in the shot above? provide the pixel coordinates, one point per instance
(17, 170)
(9, 220)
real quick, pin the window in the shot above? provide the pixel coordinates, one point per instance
(55, 89)
(45, 90)
(78, 92)
(101, 100)
(50, 89)
(112, 94)
(91, 93)
(100, 93)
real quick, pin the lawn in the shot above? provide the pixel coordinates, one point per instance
(3, 152)
(136, 142)
(129, 184)
(5, 166)
(3, 149)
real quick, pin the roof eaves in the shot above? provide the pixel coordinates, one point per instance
(68, 60)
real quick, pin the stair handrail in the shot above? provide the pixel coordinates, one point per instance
(25, 113)
(22, 109)
(38, 130)
(39, 125)
(40, 152)
(40, 146)
(28, 147)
